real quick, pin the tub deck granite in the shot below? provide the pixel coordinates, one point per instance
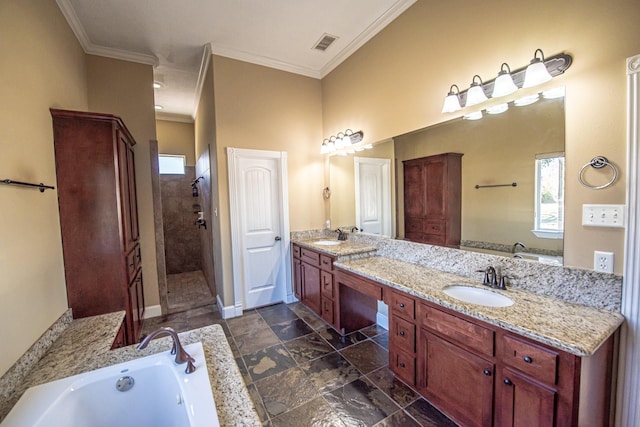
(85, 346)
(574, 328)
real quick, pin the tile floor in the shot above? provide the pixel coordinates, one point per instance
(187, 291)
(300, 372)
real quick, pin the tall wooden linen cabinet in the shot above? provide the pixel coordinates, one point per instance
(99, 217)
(432, 199)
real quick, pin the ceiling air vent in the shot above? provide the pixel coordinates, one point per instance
(325, 41)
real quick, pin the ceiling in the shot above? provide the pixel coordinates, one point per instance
(176, 37)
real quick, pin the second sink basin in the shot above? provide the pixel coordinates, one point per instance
(478, 296)
(327, 242)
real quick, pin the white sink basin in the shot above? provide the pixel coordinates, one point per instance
(477, 296)
(327, 242)
(161, 395)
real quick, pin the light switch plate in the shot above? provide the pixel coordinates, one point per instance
(603, 215)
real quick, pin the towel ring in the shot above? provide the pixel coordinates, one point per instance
(598, 163)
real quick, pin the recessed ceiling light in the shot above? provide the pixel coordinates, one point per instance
(158, 107)
(157, 85)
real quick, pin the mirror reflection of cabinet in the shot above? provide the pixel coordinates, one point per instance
(432, 199)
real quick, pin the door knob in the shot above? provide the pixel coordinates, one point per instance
(278, 238)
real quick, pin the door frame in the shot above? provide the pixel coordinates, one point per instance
(387, 223)
(237, 243)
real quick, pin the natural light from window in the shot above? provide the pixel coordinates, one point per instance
(171, 164)
(549, 201)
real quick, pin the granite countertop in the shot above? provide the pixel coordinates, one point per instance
(85, 346)
(574, 328)
(343, 249)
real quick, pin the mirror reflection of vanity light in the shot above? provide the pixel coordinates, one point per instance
(498, 109)
(554, 93)
(476, 115)
(526, 100)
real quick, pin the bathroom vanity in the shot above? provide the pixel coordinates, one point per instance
(542, 359)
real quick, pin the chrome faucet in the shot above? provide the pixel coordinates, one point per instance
(181, 355)
(515, 246)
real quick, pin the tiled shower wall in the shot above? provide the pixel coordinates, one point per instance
(181, 235)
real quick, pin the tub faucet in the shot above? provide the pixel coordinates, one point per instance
(181, 355)
(515, 246)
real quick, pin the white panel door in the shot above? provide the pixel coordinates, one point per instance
(257, 186)
(373, 195)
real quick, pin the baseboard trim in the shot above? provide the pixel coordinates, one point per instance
(382, 321)
(229, 311)
(152, 311)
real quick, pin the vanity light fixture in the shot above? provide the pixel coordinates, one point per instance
(343, 141)
(504, 84)
(475, 94)
(537, 72)
(452, 101)
(540, 70)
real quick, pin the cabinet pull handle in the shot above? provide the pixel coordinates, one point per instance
(507, 381)
(487, 372)
(402, 365)
(401, 305)
(527, 359)
(401, 333)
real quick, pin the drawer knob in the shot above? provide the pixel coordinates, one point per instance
(507, 381)
(401, 305)
(527, 359)
(402, 333)
(487, 372)
(402, 365)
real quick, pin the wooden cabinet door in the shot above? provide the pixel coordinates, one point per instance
(414, 195)
(136, 308)
(523, 402)
(128, 203)
(297, 279)
(311, 289)
(434, 188)
(456, 381)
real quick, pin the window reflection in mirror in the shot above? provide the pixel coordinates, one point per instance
(549, 196)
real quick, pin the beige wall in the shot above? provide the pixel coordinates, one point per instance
(263, 108)
(176, 138)
(126, 90)
(43, 66)
(396, 83)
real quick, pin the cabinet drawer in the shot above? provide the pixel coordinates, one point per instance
(403, 305)
(413, 225)
(310, 256)
(436, 228)
(297, 251)
(326, 263)
(403, 365)
(326, 280)
(463, 331)
(327, 310)
(403, 334)
(538, 362)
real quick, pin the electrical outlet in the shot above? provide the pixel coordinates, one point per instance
(603, 215)
(603, 261)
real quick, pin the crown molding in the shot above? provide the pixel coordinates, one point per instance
(264, 60)
(389, 16)
(173, 117)
(90, 48)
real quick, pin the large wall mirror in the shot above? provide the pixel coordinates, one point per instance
(523, 145)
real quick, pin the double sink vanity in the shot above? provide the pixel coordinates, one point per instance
(483, 356)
